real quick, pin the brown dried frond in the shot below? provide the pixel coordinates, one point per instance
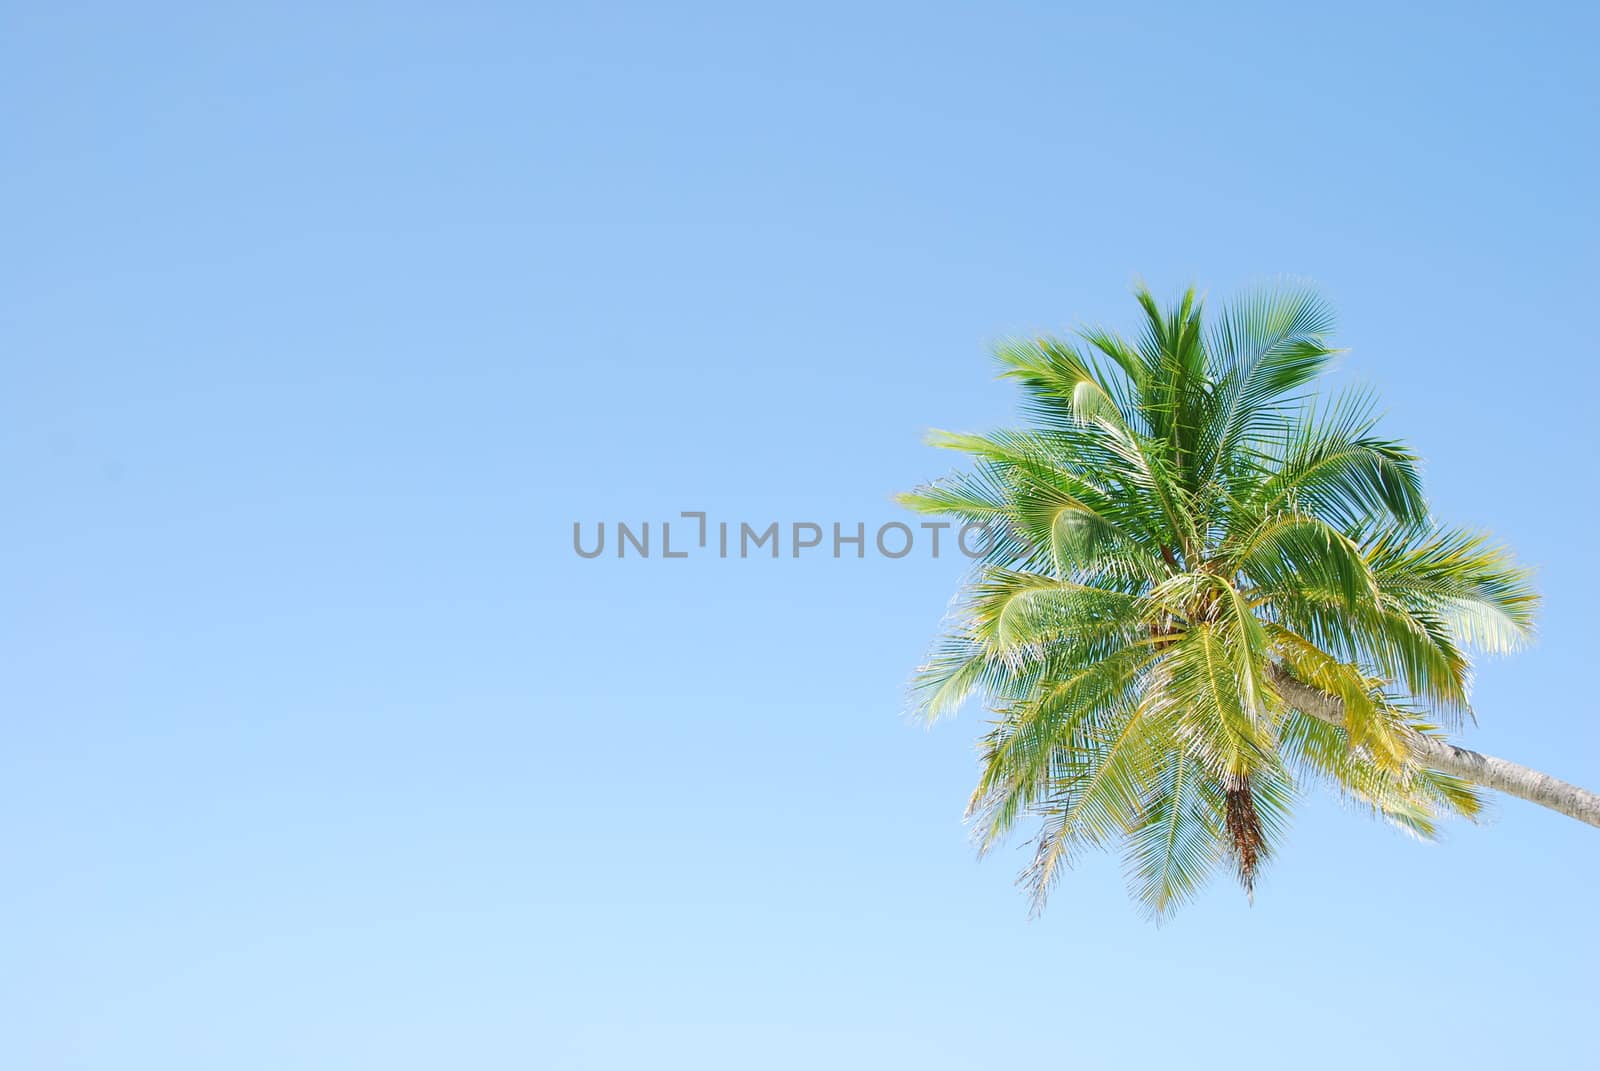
(1246, 839)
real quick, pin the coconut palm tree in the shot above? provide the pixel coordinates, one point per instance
(1206, 587)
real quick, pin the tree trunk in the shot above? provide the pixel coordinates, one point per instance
(1509, 777)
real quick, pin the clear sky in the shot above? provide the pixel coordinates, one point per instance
(320, 328)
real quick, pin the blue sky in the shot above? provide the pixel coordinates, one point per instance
(320, 328)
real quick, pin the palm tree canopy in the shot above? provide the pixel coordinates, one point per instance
(1184, 521)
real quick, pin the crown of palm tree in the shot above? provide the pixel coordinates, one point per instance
(1186, 534)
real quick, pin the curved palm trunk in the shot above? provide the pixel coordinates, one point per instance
(1511, 778)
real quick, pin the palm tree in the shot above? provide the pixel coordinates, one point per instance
(1206, 587)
